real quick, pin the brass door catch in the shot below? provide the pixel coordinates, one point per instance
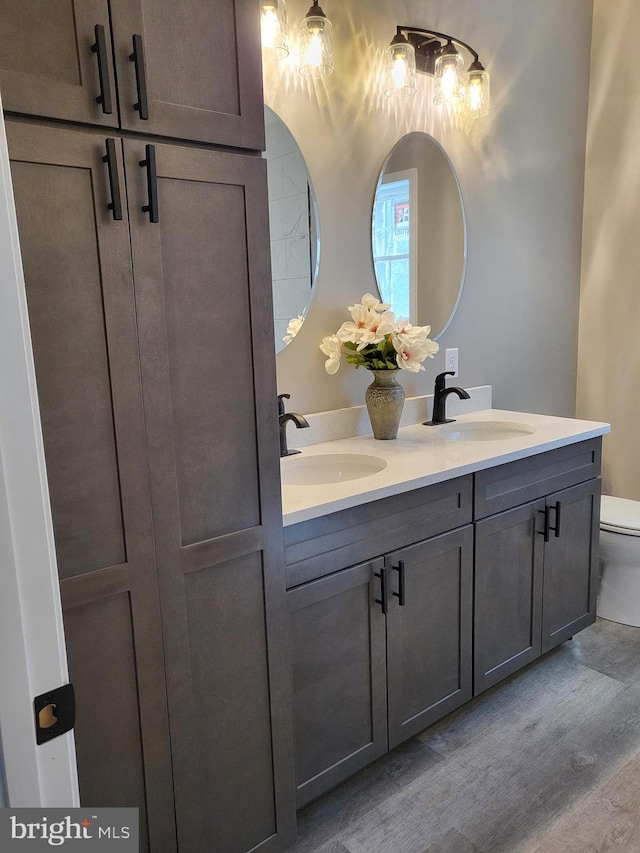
(55, 713)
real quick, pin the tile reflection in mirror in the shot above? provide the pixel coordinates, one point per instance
(293, 223)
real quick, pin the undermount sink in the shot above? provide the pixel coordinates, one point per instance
(486, 430)
(327, 468)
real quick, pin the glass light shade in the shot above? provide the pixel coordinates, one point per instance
(448, 78)
(400, 69)
(477, 91)
(273, 22)
(316, 46)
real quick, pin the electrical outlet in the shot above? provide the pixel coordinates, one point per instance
(451, 360)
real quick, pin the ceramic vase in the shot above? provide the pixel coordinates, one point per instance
(385, 400)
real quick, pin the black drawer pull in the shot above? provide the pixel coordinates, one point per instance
(115, 205)
(100, 48)
(384, 589)
(137, 57)
(401, 593)
(152, 183)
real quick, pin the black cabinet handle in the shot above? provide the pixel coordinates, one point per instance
(100, 48)
(152, 183)
(383, 601)
(558, 508)
(115, 205)
(547, 524)
(547, 521)
(400, 594)
(141, 77)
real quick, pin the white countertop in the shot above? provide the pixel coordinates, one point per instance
(421, 456)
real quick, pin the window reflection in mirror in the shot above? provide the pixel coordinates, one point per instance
(419, 233)
(395, 220)
(293, 226)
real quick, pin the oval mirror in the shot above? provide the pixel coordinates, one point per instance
(293, 225)
(419, 238)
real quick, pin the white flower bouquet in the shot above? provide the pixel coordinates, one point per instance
(374, 339)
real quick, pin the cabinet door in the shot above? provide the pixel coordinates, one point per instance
(77, 270)
(47, 65)
(509, 554)
(571, 563)
(339, 677)
(429, 632)
(203, 296)
(200, 66)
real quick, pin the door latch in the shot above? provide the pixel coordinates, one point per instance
(55, 713)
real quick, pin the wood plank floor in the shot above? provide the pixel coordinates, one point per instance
(546, 762)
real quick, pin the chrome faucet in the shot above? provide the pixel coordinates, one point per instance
(440, 394)
(283, 418)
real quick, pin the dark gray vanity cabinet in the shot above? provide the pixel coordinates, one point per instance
(202, 283)
(195, 74)
(509, 554)
(79, 284)
(570, 581)
(155, 369)
(149, 291)
(338, 648)
(47, 65)
(429, 626)
(480, 576)
(202, 67)
(365, 680)
(535, 564)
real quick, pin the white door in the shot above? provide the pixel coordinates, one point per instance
(32, 649)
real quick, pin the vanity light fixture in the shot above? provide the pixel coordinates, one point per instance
(273, 24)
(316, 43)
(436, 53)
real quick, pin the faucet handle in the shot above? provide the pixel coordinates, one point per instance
(281, 399)
(441, 379)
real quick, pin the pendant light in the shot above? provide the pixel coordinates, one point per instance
(448, 77)
(477, 94)
(316, 43)
(400, 67)
(273, 23)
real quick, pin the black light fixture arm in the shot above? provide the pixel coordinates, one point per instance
(436, 35)
(428, 44)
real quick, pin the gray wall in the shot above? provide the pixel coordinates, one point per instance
(521, 172)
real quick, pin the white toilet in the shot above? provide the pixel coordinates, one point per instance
(619, 595)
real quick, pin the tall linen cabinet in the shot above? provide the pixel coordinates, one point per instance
(146, 256)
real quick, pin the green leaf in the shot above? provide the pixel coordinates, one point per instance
(355, 358)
